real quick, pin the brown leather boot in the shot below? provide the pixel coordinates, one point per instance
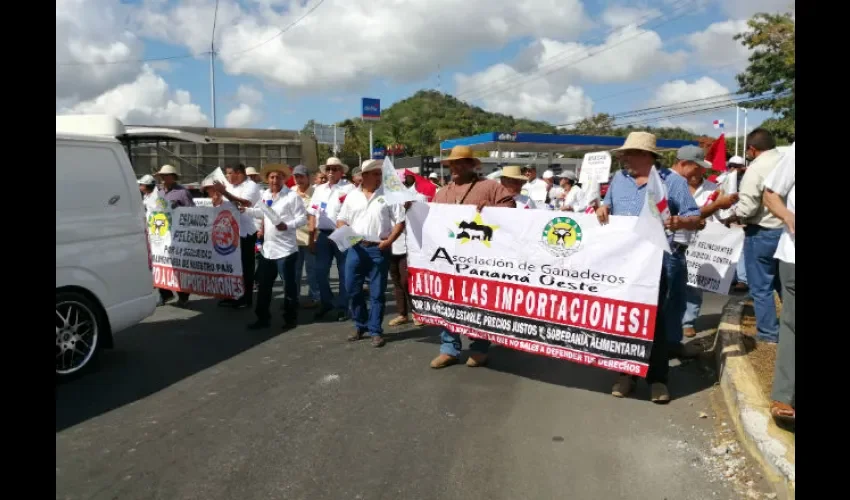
(476, 359)
(442, 361)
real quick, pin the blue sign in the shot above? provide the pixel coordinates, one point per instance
(371, 109)
(379, 153)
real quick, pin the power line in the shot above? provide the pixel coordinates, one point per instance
(524, 79)
(191, 55)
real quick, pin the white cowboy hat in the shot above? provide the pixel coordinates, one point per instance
(334, 161)
(642, 141)
(167, 170)
(251, 171)
(370, 165)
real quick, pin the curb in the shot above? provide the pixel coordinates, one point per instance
(772, 447)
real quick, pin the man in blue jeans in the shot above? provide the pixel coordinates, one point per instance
(366, 211)
(762, 231)
(326, 201)
(306, 258)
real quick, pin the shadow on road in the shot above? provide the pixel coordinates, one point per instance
(156, 354)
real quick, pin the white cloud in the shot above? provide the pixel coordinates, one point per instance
(92, 31)
(716, 46)
(542, 99)
(679, 91)
(247, 112)
(249, 95)
(344, 42)
(746, 9)
(146, 101)
(617, 16)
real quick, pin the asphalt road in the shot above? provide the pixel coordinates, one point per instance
(190, 405)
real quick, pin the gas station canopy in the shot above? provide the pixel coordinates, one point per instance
(523, 142)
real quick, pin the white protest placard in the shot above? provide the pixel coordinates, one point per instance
(713, 256)
(202, 202)
(395, 192)
(196, 250)
(558, 285)
(595, 166)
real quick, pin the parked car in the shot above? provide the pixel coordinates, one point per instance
(104, 282)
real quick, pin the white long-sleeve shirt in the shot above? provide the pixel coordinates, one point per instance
(289, 207)
(750, 209)
(371, 218)
(783, 181)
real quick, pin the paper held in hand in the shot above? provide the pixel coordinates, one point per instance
(394, 191)
(345, 238)
(271, 214)
(216, 176)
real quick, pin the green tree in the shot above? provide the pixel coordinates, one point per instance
(598, 124)
(772, 68)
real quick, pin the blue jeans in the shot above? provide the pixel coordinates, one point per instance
(741, 270)
(693, 303)
(675, 268)
(763, 274)
(451, 344)
(308, 260)
(362, 261)
(326, 251)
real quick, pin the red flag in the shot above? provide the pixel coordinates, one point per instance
(717, 154)
(423, 185)
(290, 182)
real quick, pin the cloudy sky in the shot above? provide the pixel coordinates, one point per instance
(284, 62)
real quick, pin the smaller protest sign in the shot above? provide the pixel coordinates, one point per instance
(203, 202)
(595, 166)
(713, 256)
(196, 250)
(345, 238)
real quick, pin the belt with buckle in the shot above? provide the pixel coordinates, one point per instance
(679, 247)
(366, 243)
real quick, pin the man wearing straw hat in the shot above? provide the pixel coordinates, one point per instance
(324, 206)
(280, 245)
(467, 188)
(626, 196)
(252, 174)
(242, 192)
(513, 179)
(176, 196)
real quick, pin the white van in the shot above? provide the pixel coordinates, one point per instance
(104, 282)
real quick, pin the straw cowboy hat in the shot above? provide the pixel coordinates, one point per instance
(167, 170)
(370, 165)
(513, 172)
(334, 161)
(460, 153)
(284, 169)
(641, 141)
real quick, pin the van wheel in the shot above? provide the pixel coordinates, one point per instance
(78, 328)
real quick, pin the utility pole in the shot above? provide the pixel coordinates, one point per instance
(212, 65)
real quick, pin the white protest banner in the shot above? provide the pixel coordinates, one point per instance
(395, 192)
(536, 281)
(345, 238)
(713, 256)
(196, 250)
(595, 166)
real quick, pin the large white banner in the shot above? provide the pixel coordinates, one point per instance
(713, 256)
(559, 285)
(196, 250)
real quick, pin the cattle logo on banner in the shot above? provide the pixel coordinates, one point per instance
(561, 236)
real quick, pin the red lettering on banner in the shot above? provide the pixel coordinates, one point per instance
(212, 285)
(617, 317)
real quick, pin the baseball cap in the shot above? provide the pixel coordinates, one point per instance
(736, 160)
(299, 170)
(569, 175)
(694, 154)
(433, 175)
(548, 174)
(147, 180)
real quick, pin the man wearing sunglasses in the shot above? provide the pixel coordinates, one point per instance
(321, 220)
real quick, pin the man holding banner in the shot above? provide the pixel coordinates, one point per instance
(627, 195)
(467, 189)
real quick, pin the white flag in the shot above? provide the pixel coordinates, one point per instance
(216, 176)
(729, 186)
(395, 192)
(591, 195)
(655, 211)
